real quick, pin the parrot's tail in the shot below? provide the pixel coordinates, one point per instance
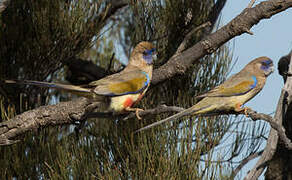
(71, 88)
(191, 110)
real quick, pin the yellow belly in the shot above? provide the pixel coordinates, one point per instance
(119, 103)
(218, 104)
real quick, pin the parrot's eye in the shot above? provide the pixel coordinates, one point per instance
(266, 64)
(149, 51)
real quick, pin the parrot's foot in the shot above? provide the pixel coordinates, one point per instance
(243, 110)
(136, 111)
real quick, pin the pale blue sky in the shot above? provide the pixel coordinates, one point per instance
(273, 38)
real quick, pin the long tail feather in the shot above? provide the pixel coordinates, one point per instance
(50, 85)
(183, 113)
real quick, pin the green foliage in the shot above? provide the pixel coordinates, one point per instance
(38, 37)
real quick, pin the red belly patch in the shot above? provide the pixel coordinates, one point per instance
(128, 102)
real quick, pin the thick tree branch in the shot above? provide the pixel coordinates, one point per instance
(82, 71)
(116, 5)
(178, 64)
(187, 38)
(273, 123)
(59, 114)
(69, 112)
(282, 107)
(280, 166)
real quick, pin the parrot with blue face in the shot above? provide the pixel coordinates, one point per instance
(231, 95)
(122, 90)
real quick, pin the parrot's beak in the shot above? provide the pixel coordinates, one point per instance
(270, 71)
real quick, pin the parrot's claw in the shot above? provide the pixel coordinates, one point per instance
(136, 111)
(243, 110)
(246, 109)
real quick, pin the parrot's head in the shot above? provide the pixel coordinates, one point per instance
(144, 51)
(262, 65)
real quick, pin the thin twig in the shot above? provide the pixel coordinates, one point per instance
(111, 62)
(158, 110)
(272, 141)
(187, 38)
(278, 127)
(69, 112)
(251, 3)
(245, 161)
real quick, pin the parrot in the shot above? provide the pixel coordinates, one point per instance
(231, 95)
(121, 90)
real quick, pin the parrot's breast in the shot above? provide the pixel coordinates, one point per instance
(119, 103)
(222, 104)
(246, 97)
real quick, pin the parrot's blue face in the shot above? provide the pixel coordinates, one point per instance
(149, 55)
(267, 66)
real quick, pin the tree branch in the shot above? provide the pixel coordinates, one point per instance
(116, 5)
(216, 10)
(69, 112)
(52, 115)
(282, 107)
(277, 167)
(252, 114)
(178, 64)
(273, 123)
(251, 3)
(82, 71)
(158, 110)
(245, 161)
(187, 38)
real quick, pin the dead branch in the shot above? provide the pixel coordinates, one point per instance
(282, 107)
(273, 123)
(240, 24)
(245, 161)
(52, 115)
(69, 112)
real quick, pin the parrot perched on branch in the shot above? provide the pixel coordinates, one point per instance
(232, 94)
(122, 89)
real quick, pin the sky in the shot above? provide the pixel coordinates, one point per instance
(272, 38)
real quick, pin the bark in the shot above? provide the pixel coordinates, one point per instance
(52, 115)
(179, 63)
(69, 112)
(280, 166)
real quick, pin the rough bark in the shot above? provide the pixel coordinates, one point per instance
(280, 166)
(62, 113)
(179, 63)
(269, 155)
(52, 115)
